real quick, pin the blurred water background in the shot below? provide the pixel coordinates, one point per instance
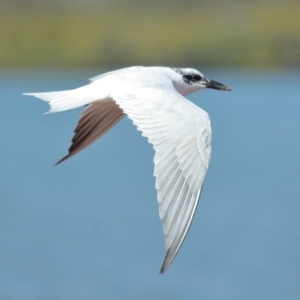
(89, 228)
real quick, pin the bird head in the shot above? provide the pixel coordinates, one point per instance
(192, 80)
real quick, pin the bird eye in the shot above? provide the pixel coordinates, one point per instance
(192, 78)
(196, 78)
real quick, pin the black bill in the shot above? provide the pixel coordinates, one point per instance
(217, 86)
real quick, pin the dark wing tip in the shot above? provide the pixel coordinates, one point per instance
(63, 159)
(166, 262)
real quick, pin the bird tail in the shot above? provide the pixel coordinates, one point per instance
(63, 100)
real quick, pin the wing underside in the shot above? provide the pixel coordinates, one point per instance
(180, 133)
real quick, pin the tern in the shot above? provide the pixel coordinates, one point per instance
(180, 132)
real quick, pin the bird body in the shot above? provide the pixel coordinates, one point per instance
(180, 132)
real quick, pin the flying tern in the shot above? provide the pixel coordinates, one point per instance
(180, 132)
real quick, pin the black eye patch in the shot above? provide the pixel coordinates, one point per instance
(192, 78)
(196, 77)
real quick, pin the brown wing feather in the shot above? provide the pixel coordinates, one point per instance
(94, 121)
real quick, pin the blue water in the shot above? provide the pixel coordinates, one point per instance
(89, 228)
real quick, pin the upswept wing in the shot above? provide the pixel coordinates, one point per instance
(181, 134)
(95, 120)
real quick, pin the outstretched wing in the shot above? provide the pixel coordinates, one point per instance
(95, 120)
(180, 133)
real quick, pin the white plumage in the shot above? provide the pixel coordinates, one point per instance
(152, 97)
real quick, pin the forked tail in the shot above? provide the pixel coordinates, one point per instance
(63, 100)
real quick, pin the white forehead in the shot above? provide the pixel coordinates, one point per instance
(190, 71)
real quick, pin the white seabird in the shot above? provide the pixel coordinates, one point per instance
(180, 132)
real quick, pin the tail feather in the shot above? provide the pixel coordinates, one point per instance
(63, 100)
